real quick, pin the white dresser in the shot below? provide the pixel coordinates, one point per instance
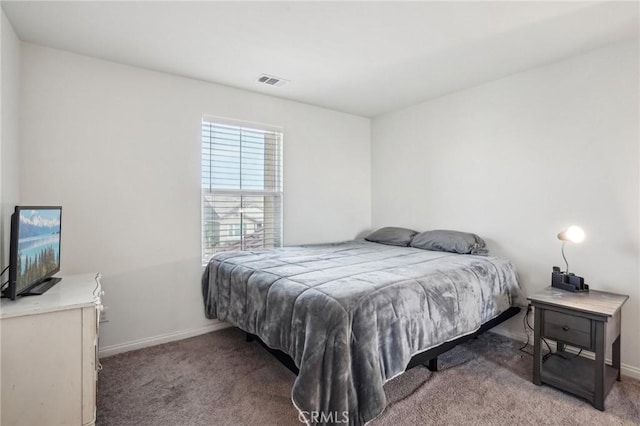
(49, 355)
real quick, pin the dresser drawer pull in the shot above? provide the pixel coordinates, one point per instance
(565, 328)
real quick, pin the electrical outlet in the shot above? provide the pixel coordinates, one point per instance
(104, 317)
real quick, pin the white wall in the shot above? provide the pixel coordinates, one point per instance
(118, 147)
(9, 135)
(517, 160)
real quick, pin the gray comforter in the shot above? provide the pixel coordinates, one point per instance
(352, 314)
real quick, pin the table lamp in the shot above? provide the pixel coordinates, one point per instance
(567, 280)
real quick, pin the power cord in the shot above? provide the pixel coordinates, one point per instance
(528, 329)
(4, 284)
(2, 287)
(565, 355)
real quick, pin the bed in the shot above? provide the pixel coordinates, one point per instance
(355, 314)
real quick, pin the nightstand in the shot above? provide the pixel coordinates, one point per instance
(589, 321)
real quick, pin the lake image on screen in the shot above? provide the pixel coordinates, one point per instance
(38, 245)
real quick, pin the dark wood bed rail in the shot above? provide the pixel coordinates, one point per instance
(429, 358)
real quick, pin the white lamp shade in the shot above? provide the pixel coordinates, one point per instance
(574, 234)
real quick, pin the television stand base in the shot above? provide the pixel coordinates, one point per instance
(40, 288)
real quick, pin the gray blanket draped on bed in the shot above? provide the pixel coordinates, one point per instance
(352, 314)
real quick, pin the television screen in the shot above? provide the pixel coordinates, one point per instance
(37, 246)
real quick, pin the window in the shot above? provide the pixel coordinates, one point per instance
(241, 187)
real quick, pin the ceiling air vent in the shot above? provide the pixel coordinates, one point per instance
(271, 80)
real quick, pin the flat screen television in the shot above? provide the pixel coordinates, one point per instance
(34, 251)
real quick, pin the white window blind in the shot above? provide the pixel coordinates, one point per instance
(241, 188)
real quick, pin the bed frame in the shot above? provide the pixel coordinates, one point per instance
(429, 358)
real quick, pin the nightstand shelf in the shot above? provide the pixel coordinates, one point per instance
(575, 374)
(589, 321)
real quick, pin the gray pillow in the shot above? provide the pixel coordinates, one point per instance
(392, 236)
(450, 241)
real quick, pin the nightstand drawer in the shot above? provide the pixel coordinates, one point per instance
(567, 328)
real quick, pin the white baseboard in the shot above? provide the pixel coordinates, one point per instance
(162, 338)
(630, 371)
(625, 369)
(520, 336)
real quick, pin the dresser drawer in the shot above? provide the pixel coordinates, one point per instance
(567, 329)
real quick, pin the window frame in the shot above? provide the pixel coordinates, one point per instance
(276, 194)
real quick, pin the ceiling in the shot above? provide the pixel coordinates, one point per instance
(364, 58)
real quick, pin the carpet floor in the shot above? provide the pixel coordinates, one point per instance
(219, 379)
